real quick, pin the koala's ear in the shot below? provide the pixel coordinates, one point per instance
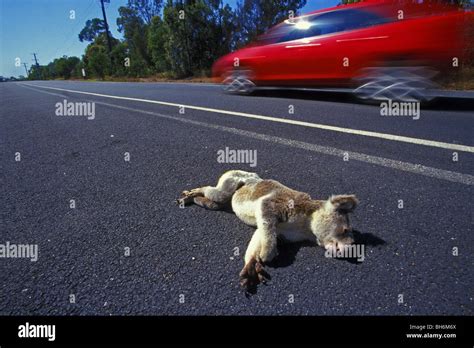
(343, 203)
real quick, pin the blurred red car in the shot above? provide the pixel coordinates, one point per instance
(385, 49)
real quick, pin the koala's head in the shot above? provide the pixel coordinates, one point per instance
(330, 224)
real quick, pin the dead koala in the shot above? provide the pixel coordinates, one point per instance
(276, 211)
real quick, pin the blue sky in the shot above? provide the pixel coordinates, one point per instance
(44, 27)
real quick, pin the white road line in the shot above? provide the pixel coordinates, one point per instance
(419, 169)
(392, 137)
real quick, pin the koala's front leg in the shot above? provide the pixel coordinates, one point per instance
(253, 273)
(262, 248)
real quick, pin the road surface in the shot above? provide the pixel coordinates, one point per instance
(413, 178)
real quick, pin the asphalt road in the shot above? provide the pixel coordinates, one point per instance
(190, 252)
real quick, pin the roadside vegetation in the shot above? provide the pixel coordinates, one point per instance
(167, 40)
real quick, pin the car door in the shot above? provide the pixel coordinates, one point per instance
(341, 46)
(279, 63)
(361, 42)
(321, 49)
(284, 62)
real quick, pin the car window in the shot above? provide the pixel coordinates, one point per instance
(296, 34)
(356, 19)
(328, 23)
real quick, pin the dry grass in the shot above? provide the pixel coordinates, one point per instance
(156, 78)
(461, 80)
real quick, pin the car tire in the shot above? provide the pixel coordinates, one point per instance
(239, 82)
(395, 83)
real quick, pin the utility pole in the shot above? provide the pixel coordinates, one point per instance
(26, 69)
(36, 59)
(106, 25)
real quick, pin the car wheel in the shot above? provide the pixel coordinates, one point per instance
(239, 82)
(395, 83)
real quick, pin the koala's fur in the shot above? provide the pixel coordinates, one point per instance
(276, 211)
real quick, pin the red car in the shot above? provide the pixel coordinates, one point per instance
(385, 49)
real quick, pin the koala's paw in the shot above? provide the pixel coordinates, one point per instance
(253, 274)
(187, 197)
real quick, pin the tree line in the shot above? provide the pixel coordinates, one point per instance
(173, 38)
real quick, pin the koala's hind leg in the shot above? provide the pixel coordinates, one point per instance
(262, 247)
(207, 203)
(214, 197)
(228, 183)
(188, 197)
(197, 197)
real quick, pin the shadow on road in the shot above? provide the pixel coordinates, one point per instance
(441, 103)
(451, 104)
(287, 251)
(307, 95)
(367, 240)
(287, 254)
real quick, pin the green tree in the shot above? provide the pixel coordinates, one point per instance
(77, 71)
(41, 72)
(64, 67)
(94, 27)
(177, 41)
(254, 17)
(96, 54)
(120, 53)
(197, 33)
(135, 33)
(97, 61)
(146, 9)
(157, 36)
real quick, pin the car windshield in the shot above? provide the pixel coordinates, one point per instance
(321, 24)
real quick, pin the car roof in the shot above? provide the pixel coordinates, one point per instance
(360, 4)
